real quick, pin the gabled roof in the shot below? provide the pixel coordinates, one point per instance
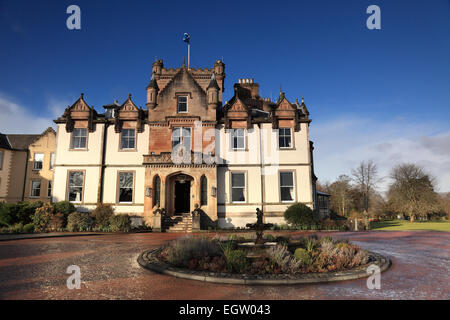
(4, 142)
(80, 104)
(23, 141)
(128, 105)
(182, 72)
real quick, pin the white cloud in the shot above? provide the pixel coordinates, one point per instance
(16, 118)
(340, 144)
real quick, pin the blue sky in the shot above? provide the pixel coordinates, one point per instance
(372, 94)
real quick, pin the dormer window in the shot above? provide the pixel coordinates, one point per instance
(182, 105)
(284, 138)
(237, 139)
(128, 139)
(79, 138)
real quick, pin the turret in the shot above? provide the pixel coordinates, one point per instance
(219, 68)
(212, 92)
(157, 68)
(152, 92)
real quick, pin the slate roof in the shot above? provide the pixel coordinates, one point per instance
(20, 141)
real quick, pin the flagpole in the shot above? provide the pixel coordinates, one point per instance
(189, 55)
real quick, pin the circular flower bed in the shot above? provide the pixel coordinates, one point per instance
(284, 259)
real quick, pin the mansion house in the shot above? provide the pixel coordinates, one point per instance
(187, 149)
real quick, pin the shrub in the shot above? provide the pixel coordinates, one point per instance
(56, 222)
(303, 256)
(79, 221)
(5, 215)
(42, 217)
(180, 252)
(28, 228)
(299, 215)
(22, 212)
(17, 228)
(283, 258)
(64, 207)
(120, 222)
(236, 261)
(102, 214)
(310, 243)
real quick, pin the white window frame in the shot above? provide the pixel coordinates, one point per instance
(182, 136)
(178, 103)
(35, 162)
(240, 187)
(119, 187)
(233, 135)
(32, 188)
(82, 186)
(52, 161)
(284, 136)
(85, 136)
(287, 186)
(49, 188)
(128, 138)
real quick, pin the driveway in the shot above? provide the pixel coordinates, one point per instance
(36, 269)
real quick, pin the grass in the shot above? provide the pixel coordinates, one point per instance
(394, 225)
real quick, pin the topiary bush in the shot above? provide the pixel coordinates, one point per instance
(42, 217)
(79, 221)
(28, 228)
(120, 222)
(299, 215)
(101, 215)
(303, 256)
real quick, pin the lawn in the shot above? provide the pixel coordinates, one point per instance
(393, 225)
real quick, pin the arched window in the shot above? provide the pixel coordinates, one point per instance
(203, 191)
(157, 191)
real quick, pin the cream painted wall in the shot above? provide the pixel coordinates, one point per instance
(110, 184)
(66, 156)
(299, 154)
(91, 178)
(116, 157)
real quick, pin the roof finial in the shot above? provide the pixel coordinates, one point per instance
(184, 65)
(303, 101)
(82, 95)
(129, 96)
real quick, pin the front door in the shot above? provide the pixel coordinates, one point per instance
(182, 197)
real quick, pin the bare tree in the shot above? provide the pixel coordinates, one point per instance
(341, 200)
(412, 191)
(366, 178)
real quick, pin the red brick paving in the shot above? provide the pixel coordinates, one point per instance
(35, 269)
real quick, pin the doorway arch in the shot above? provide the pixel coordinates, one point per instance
(180, 193)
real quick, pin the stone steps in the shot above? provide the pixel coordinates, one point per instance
(181, 224)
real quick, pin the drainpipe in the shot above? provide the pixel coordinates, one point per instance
(261, 160)
(102, 169)
(25, 177)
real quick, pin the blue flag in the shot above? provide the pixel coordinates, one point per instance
(186, 38)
